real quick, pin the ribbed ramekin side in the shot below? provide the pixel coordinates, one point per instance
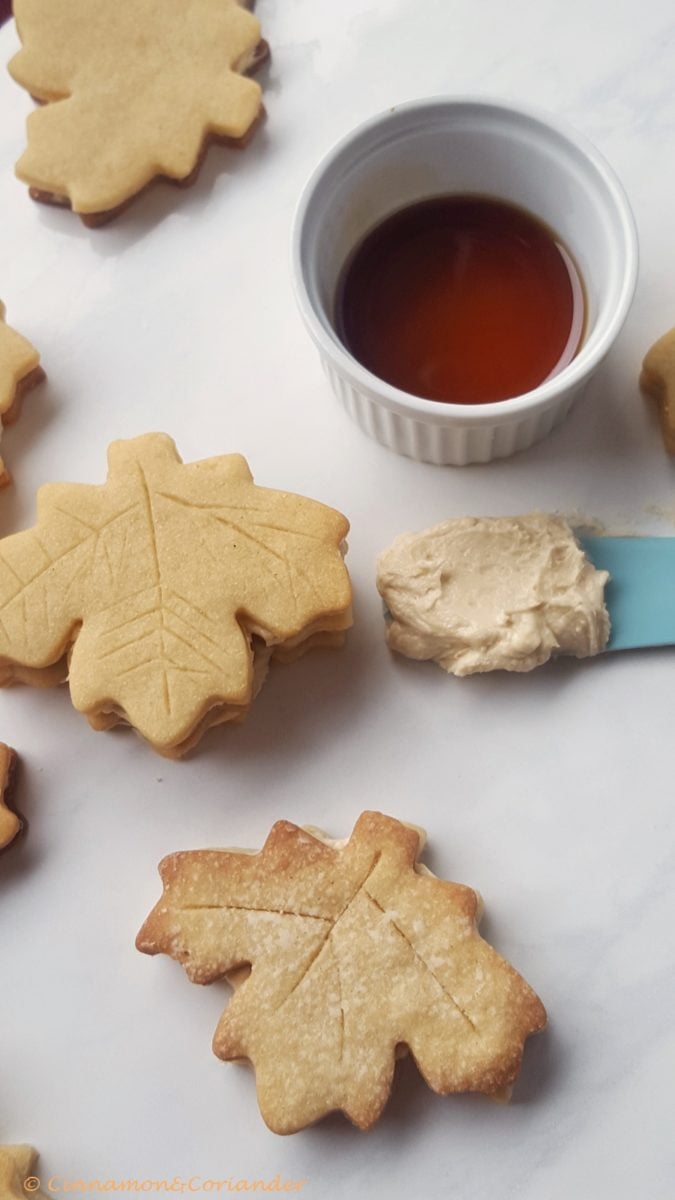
(447, 444)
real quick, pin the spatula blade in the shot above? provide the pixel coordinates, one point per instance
(640, 596)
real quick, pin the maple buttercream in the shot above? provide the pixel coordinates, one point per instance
(489, 593)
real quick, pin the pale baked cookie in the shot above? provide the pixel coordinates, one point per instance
(142, 87)
(20, 371)
(163, 594)
(657, 379)
(10, 822)
(492, 593)
(355, 950)
(17, 1166)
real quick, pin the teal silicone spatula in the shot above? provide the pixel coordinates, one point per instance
(640, 595)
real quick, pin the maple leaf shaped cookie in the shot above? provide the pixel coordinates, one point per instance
(17, 1165)
(160, 594)
(19, 372)
(354, 952)
(131, 90)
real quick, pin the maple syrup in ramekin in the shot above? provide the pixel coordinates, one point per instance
(462, 299)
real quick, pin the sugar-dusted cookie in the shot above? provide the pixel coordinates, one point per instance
(657, 379)
(17, 1168)
(142, 87)
(10, 822)
(355, 950)
(20, 371)
(162, 594)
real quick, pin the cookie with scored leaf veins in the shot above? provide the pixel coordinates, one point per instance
(657, 379)
(10, 822)
(17, 1167)
(20, 371)
(355, 951)
(162, 595)
(131, 91)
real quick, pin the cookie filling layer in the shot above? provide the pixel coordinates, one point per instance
(493, 593)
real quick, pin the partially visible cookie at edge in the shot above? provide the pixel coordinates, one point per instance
(20, 371)
(657, 379)
(10, 821)
(17, 1166)
(143, 87)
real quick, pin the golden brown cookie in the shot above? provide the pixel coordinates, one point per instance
(17, 1167)
(355, 950)
(657, 379)
(162, 594)
(142, 87)
(10, 822)
(20, 371)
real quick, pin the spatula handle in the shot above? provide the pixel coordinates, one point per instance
(641, 593)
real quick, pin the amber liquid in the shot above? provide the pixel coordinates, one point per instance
(462, 299)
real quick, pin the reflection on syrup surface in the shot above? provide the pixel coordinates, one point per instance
(462, 299)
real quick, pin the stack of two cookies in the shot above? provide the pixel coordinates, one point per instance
(162, 595)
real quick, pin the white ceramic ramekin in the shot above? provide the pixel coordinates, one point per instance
(464, 145)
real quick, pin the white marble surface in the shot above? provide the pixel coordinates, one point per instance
(553, 793)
